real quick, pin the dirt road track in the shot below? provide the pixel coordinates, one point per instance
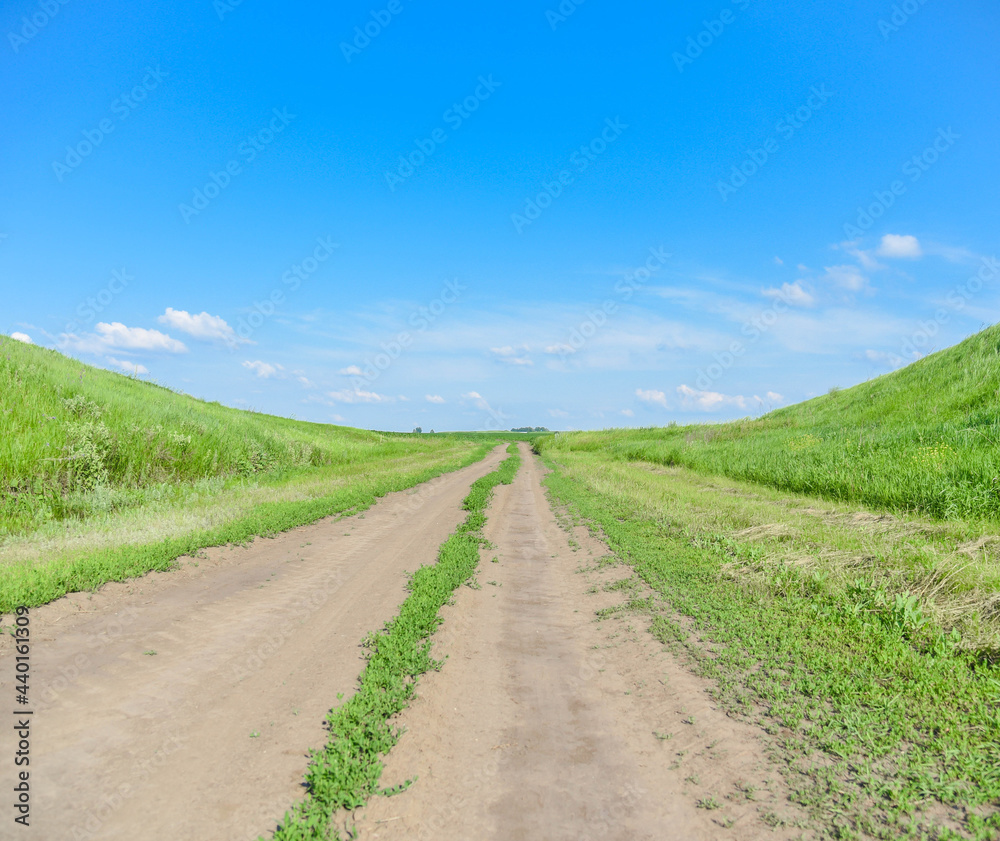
(542, 724)
(206, 738)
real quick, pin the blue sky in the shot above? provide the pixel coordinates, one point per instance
(541, 213)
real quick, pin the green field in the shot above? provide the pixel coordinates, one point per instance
(833, 568)
(104, 477)
(925, 439)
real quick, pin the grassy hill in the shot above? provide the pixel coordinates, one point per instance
(104, 477)
(77, 440)
(925, 438)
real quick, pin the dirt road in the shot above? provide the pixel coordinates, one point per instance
(546, 724)
(182, 705)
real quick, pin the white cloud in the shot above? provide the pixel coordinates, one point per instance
(628, 413)
(478, 399)
(351, 371)
(128, 366)
(264, 370)
(847, 277)
(117, 335)
(509, 355)
(434, 398)
(357, 395)
(560, 349)
(861, 255)
(771, 397)
(558, 413)
(338, 418)
(304, 382)
(778, 261)
(888, 359)
(652, 396)
(203, 326)
(895, 245)
(708, 401)
(792, 293)
(22, 337)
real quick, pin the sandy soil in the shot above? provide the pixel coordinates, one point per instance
(548, 724)
(182, 705)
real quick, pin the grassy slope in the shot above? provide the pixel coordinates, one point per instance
(866, 644)
(925, 438)
(103, 477)
(77, 440)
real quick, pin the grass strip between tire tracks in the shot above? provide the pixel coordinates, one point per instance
(346, 772)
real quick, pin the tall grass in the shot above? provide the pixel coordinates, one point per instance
(925, 438)
(77, 440)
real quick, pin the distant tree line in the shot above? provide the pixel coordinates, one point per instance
(530, 429)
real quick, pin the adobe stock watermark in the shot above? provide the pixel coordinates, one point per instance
(421, 319)
(913, 169)
(562, 13)
(31, 26)
(901, 14)
(291, 281)
(920, 341)
(226, 7)
(579, 162)
(95, 818)
(696, 44)
(753, 330)
(92, 306)
(246, 152)
(625, 289)
(121, 108)
(756, 159)
(455, 118)
(376, 24)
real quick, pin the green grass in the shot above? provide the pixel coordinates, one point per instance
(78, 442)
(40, 582)
(346, 772)
(887, 723)
(104, 477)
(924, 439)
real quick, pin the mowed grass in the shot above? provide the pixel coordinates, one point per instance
(345, 773)
(834, 568)
(885, 721)
(923, 439)
(103, 477)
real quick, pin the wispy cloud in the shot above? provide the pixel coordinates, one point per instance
(900, 246)
(435, 398)
(708, 401)
(357, 395)
(207, 328)
(128, 366)
(511, 355)
(792, 293)
(265, 370)
(847, 277)
(652, 396)
(117, 336)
